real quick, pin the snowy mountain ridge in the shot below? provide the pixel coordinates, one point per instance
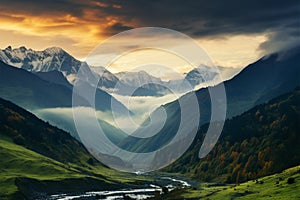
(56, 59)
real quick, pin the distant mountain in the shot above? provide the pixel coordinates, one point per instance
(54, 77)
(46, 90)
(30, 91)
(267, 78)
(201, 75)
(158, 87)
(259, 142)
(50, 59)
(142, 83)
(135, 79)
(107, 79)
(56, 59)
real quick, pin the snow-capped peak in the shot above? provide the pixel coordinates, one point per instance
(54, 50)
(53, 58)
(8, 48)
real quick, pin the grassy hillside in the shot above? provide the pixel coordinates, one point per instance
(27, 130)
(17, 162)
(284, 185)
(38, 159)
(260, 142)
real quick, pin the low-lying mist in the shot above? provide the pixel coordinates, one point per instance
(142, 107)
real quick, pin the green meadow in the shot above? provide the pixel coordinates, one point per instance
(284, 185)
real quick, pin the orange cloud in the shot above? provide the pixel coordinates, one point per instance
(78, 26)
(85, 31)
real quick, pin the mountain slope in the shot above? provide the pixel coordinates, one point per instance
(27, 130)
(56, 59)
(259, 82)
(107, 79)
(277, 186)
(142, 83)
(28, 90)
(261, 141)
(200, 75)
(55, 77)
(263, 80)
(21, 167)
(38, 159)
(32, 92)
(50, 59)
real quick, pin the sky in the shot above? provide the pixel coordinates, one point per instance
(233, 33)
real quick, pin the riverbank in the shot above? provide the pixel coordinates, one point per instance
(160, 185)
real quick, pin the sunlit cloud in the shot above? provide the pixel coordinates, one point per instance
(82, 33)
(229, 36)
(234, 51)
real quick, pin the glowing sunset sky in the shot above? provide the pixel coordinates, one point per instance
(234, 33)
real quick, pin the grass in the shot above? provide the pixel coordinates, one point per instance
(17, 161)
(20, 162)
(269, 187)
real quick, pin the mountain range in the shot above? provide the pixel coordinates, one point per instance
(44, 90)
(56, 59)
(260, 135)
(38, 159)
(252, 86)
(261, 81)
(259, 142)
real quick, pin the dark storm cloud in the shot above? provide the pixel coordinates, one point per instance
(280, 40)
(117, 28)
(198, 18)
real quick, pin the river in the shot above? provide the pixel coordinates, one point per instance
(138, 194)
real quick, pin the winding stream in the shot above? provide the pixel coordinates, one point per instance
(137, 194)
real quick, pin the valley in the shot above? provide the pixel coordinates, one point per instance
(256, 155)
(149, 100)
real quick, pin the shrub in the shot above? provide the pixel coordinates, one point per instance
(19, 139)
(291, 180)
(165, 190)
